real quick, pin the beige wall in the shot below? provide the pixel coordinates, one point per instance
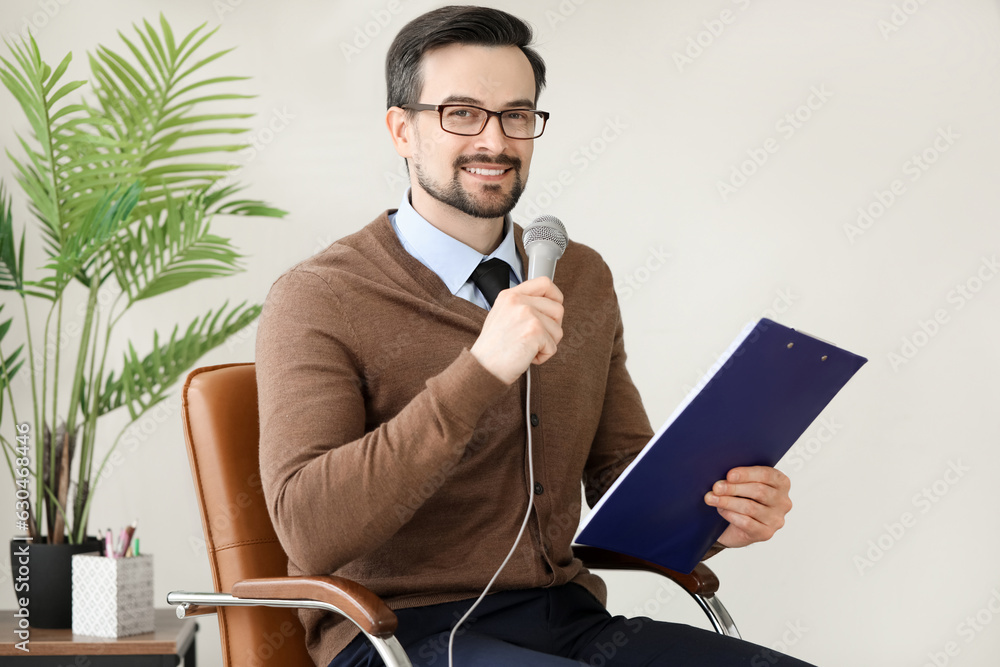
(841, 102)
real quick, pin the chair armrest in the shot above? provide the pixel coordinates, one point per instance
(702, 581)
(355, 601)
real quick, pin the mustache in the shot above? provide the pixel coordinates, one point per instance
(501, 160)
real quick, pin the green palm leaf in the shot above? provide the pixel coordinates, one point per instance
(217, 201)
(161, 254)
(67, 147)
(11, 363)
(11, 261)
(12, 254)
(97, 231)
(155, 108)
(144, 382)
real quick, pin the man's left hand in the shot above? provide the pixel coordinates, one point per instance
(754, 500)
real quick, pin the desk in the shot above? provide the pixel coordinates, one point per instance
(172, 639)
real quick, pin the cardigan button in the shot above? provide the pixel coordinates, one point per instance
(534, 419)
(539, 489)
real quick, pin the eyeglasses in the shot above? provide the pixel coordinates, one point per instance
(468, 121)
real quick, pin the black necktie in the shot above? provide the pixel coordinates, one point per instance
(491, 277)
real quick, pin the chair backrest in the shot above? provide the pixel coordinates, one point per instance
(219, 408)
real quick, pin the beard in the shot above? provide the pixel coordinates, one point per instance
(489, 202)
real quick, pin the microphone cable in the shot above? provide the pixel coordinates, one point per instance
(517, 540)
(544, 242)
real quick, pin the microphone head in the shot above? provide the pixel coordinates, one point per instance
(546, 228)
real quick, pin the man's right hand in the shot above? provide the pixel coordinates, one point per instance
(523, 328)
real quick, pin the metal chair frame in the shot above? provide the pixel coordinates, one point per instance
(347, 598)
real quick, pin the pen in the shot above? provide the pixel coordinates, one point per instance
(109, 551)
(127, 538)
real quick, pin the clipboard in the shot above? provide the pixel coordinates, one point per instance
(749, 409)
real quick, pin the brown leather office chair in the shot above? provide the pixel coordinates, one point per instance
(255, 600)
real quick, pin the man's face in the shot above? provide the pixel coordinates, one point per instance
(484, 175)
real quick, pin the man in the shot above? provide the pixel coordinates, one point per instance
(391, 390)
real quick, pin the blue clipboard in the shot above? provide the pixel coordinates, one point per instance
(749, 409)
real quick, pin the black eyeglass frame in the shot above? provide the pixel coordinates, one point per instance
(489, 114)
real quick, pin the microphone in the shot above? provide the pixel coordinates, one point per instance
(544, 242)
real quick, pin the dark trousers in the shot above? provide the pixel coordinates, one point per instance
(556, 627)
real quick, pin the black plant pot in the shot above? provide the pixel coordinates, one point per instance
(43, 575)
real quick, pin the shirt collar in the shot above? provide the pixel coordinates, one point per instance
(449, 258)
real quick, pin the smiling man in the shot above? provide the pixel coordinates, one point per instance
(470, 163)
(392, 377)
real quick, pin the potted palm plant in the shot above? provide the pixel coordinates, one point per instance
(123, 185)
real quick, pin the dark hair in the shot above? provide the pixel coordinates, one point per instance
(480, 26)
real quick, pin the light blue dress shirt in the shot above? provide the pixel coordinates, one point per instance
(449, 258)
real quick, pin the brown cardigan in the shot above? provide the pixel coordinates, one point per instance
(390, 456)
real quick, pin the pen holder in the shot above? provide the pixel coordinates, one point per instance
(112, 597)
